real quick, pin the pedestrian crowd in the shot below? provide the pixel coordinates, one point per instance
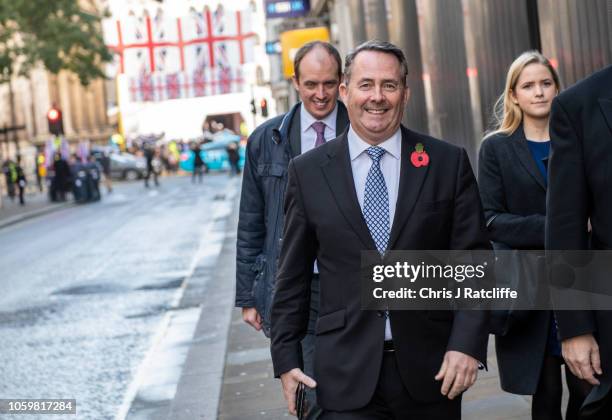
(77, 176)
(80, 174)
(333, 178)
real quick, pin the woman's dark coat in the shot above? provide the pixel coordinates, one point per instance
(513, 193)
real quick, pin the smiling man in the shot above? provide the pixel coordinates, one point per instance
(309, 124)
(360, 192)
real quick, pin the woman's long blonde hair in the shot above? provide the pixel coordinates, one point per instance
(508, 115)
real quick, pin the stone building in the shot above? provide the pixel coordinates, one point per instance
(85, 111)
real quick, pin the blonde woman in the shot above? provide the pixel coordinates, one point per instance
(512, 177)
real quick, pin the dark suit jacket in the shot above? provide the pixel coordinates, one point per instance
(437, 208)
(513, 193)
(580, 187)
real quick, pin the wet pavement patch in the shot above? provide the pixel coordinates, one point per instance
(29, 316)
(151, 311)
(91, 289)
(170, 284)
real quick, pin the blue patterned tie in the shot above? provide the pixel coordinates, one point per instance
(376, 201)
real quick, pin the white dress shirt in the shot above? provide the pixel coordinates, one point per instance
(390, 167)
(309, 135)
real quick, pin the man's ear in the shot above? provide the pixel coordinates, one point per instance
(406, 95)
(296, 83)
(343, 90)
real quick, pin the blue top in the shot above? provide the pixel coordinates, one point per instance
(540, 151)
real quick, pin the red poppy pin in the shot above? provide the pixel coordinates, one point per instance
(419, 157)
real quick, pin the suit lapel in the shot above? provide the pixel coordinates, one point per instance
(519, 143)
(606, 109)
(339, 175)
(410, 184)
(342, 121)
(295, 133)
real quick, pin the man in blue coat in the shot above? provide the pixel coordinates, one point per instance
(318, 118)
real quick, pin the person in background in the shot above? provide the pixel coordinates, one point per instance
(20, 180)
(244, 130)
(512, 177)
(319, 117)
(198, 163)
(149, 154)
(62, 178)
(105, 162)
(233, 156)
(79, 179)
(40, 170)
(173, 156)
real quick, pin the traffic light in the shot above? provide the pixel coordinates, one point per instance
(56, 123)
(253, 109)
(264, 108)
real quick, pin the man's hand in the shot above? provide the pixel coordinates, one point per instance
(459, 370)
(252, 317)
(581, 354)
(290, 381)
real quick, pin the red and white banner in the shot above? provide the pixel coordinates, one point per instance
(163, 86)
(165, 57)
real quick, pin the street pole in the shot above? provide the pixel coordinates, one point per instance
(253, 113)
(2, 158)
(119, 114)
(5, 144)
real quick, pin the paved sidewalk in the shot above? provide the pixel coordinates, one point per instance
(36, 204)
(250, 392)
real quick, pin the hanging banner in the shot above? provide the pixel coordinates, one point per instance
(168, 57)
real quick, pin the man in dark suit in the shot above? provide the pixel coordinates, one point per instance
(361, 191)
(580, 182)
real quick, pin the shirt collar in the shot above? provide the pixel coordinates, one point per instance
(306, 119)
(357, 145)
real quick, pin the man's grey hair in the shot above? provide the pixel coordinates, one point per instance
(379, 46)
